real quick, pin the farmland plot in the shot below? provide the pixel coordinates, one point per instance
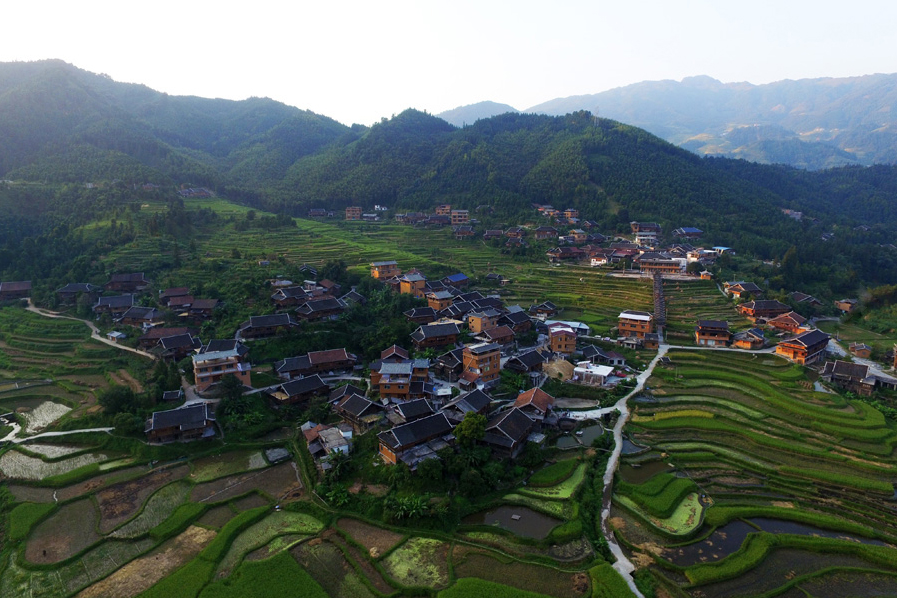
(14, 464)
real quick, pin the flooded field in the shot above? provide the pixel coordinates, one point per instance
(519, 520)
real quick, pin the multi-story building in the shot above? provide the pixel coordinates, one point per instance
(384, 270)
(210, 367)
(460, 217)
(562, 338)
(635, 323)
(444, 209)
(805, 348)
(712, 333)
(353, 213)
(482, 361)
(481, 321)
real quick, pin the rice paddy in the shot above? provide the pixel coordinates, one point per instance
(755, 442)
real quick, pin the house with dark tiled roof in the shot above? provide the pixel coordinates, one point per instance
(518, 321)
(440, 300)
(400, 440)
(861, 350)
(354, 297)
(763, 308)
(421, 315)
(315, 362)
(132, 282)
(115, 305)
(141, 316)
(186, 423)
(739, 288)
(528, 362)
(177, 347)
(166, 295)
(806, 348)
(415, 409)
(475, 401)
(507, 432)
(152, 336)
(712, 333)
(600, 356)
(69, 294)
(448, 365)
(361, 413)
(856, 377)
(265, 326)
(435, 335)
(752, 339)
(299, 390)
(500, 335)
(290, 296)
(328, 308)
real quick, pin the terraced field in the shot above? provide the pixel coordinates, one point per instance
(51, 368)
(587, 294)
(775, 467)
(688, 302)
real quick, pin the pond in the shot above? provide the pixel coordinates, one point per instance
(630, 448)
(567, 442)
(727, 539)
(589, 434)
(519, 520)
(639, 473)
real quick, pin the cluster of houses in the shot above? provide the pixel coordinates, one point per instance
(173, 303)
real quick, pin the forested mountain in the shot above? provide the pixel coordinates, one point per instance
(808, 123)
(58, 122)
(467, 115)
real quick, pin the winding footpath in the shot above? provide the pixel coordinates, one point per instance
(623, 565)
(95, 333)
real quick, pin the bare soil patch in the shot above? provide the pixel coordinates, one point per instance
(364, 564)
(96, 483)
(281, 482)
(120, 502)
(374, 489)
(253, 501)
(217, 517)
(377, 541)
(130, 380)
(65, 533)
(143, 572)
(31, 493)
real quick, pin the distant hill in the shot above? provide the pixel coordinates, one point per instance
(808, 123)
(467, 115)
(59, 122)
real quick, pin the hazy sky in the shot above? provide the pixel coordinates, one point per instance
(360, 61)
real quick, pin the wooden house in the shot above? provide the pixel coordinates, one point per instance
(507, 432)
(133, 282)
(435, 335)
(186, 423)
(763, 309)
(398, 441)
(791, 322)
(384, 270)
(635, 323)
(299, 390)
(806, 348)
(712, 333)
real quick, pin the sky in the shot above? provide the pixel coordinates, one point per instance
(360, 61)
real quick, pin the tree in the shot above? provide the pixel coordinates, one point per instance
(118, 399)
(471, 429)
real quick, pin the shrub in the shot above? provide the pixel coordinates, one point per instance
(25, 516)
(554, 474)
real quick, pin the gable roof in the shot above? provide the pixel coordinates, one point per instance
(180, 341)
(271, 320)
(809, 338)
(186, 418)
(225, 344)
(435, 330)
(508, 428)
(846, 369)
(341, 392)
(416, 432)
(476, 401)
(535, 397)
(357, 405)
(116, 301)
(329, 356)
(414, 409)
(78, 287)
(791, 318)
(305, 385)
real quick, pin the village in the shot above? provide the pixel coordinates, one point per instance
(414, 395)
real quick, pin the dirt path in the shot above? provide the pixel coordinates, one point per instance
(95, 333)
